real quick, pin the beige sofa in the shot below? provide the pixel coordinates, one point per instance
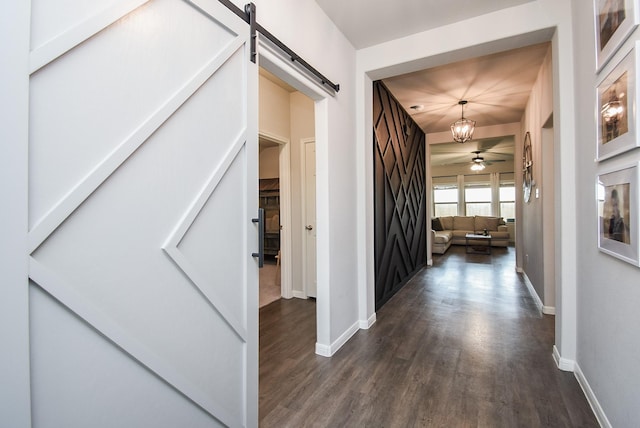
(447, 231)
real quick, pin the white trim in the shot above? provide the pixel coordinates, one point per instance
(15, 393)
(65, 293)
(533, 293)
(547, 310)
(57, 214)
(69, 39)
(170, 246)
(284, 165)
(273, 61)
(283, 68)
(563, 364)
(323, 350)
(298, 294)
(328, 351)
(291, 72)
(429, 261)
(591, 398)
(366, 324)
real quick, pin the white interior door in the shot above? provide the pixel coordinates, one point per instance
(142, 185)
(310, 275)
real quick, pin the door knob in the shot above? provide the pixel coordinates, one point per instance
(308, 227)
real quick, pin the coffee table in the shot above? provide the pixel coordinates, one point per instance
(473, 241)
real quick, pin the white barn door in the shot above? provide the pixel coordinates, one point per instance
(142, 185)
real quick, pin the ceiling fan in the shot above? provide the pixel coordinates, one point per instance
(478, 163)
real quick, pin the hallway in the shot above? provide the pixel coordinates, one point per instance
(461, 345)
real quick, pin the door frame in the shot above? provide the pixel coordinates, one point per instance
(371, 66)
(284, 168)
(303, 193)
(15, 394)
(273, 60)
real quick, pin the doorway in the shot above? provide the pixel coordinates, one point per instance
(287, 181)
(269, 199)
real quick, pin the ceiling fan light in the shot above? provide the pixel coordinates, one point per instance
(477, 167)
(462, 129)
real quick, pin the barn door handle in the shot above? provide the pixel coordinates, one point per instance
(260, 253)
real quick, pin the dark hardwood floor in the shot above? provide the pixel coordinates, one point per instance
(461, 345)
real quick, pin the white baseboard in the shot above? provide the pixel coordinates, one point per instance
(323, 350)
(299, 294)
(549, 310)
(328, 351)
(430, 262)
(365, 324)
(533, 293)
(563, 364)
(591, 398)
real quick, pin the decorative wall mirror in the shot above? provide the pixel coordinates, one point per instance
(527, 167)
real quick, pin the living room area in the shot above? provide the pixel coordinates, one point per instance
(473, 188)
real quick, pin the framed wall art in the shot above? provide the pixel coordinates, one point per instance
(618, 233)
(617, 94)
(614, 22)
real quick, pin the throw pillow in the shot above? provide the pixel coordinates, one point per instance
(436, 225)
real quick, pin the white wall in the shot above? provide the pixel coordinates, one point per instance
(273, 109)
(609, 289)
(269, 162)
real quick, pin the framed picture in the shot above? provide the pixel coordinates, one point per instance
(617, 94)
(618, 214)
(614, 22)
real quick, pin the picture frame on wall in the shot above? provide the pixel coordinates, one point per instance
(617, 194)
(616, 95)
(614, 22)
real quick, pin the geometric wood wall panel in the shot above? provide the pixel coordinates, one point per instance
(399, 195)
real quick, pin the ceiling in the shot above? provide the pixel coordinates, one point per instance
(369, 22)
(497, 86)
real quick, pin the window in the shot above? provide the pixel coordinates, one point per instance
(477, 194)
(477, 199)
(445, 198)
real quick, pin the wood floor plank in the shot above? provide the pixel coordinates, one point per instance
(461, 345)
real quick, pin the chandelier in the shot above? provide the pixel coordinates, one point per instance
(462, 129)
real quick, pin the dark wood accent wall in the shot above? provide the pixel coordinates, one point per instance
(399, 195)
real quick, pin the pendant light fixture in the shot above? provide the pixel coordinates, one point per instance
(462, 129)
